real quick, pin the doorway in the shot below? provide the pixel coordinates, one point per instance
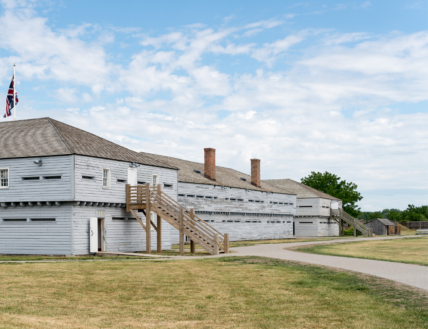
(101, 238)
(132, 176)
(294, 228)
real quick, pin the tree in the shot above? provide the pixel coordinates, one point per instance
(413, 213)
(341, 189)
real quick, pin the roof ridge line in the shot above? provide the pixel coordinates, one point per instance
(59, 134)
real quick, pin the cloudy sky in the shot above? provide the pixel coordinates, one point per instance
(304, 86)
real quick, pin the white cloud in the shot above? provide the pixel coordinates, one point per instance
(45, 54)
(332, 109)
(66, 95)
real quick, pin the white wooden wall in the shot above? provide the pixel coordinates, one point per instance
(312, 218)
(92, 190)
(34, 237)
(239, 218)
(122, 236)
(31, 190)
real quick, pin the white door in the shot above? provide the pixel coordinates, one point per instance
(132, 176)
(93, 234)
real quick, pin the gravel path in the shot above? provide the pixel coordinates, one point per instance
(412, 275)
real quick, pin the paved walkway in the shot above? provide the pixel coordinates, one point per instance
(412, 275)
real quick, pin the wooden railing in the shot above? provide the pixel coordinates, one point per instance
(343, 215)
(152, 198)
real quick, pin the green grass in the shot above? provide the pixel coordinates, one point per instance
(408, 250)
(230, 292)
(61, 258)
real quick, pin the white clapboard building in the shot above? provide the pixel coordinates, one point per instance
(240, 204)
(56, 179)
(313, 217)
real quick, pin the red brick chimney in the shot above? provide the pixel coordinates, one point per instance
(209, 168)
(255, 172)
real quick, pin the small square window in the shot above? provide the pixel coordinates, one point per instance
(4, 178)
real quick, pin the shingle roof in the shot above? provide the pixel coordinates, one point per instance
(224, 176)
(386, 221)
(48, 137)
(303, 191)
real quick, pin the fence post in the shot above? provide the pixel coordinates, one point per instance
(216, 244)
(148, 221)
(226, 243)
(192, 243)
(181, 231)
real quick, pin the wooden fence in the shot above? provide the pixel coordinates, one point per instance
(419, 225)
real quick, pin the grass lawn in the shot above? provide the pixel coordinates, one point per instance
(230, 292)
(408, 250)
(62, 258)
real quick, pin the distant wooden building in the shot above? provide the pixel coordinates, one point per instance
(313, 217)
(383, 226)
(231, 201)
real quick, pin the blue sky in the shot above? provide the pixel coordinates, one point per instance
(304, 86)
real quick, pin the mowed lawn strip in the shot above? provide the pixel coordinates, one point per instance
(408, 250)
(238, 292)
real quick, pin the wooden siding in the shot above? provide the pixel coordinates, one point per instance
(92, 190)
(123, 236)
(223, 205)
(309, 207)
(224, 214)
(38, 190)
(242, 230)
(42, 238)
(378, 227)
(315, 226)
(328, 227)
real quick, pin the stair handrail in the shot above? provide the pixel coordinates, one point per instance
(353, 221)
(207, 230)
(186, 210)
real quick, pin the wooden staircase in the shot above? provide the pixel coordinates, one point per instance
(153, 199)
(341, 215)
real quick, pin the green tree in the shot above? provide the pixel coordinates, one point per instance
(413, 213)
(394, 214)
(333, 185)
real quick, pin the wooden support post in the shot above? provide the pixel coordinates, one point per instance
(148, 221)
(159, 234)
(355, 230)
(226, 243)
(128, 196)
(340, 227)
(181, 231)
(159, 226)
(192, 243)
(216, 244)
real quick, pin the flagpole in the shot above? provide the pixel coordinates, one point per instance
(14, 105)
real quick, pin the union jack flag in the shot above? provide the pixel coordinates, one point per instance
(9, 99)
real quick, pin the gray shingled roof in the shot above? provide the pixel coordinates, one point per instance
(303, 191)
(386, 221)
(48, 137)
(224, 176)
